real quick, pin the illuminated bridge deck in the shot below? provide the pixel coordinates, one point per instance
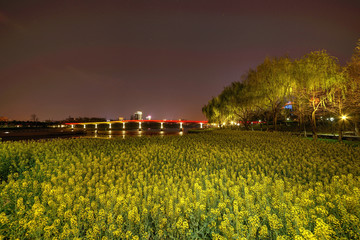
(140, 122)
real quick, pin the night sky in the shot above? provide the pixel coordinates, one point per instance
(165, 58)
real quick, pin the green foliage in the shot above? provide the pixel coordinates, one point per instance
(216, 185)
(271, 84)
(215, 111)
(353, 72)
(314, 84)
(317, 76)
(318, 70)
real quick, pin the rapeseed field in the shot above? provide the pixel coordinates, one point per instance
(217, 185)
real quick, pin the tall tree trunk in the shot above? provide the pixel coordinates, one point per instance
(341, 125)
(302, 124)
(275, 121)
(313, 124)
(356, 123)
(342, 121)
(246, 124)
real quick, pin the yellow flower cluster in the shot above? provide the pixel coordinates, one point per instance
(216, 185)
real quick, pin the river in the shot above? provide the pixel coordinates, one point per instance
(48, 133)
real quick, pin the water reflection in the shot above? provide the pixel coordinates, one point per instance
(110, 134)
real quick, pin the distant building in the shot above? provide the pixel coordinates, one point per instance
(288, 105)
(137, 116)
(121, 118)
(148, 117)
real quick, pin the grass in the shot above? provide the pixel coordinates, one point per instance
(328, 140)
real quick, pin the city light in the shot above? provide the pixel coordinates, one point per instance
(331, 119)
(343, 117)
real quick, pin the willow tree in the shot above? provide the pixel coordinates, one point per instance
(353, 93)
(211, 110)
(215, 111)
(239, 103)
(338, 101)
(300, 102)
(271, 85)
(316, 75)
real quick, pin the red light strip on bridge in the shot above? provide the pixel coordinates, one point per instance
(142, 121)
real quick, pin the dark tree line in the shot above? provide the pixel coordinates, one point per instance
(315, 85)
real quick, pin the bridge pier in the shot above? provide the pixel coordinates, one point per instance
(109, 125)
(123, 125)
(162, 126)
(84, 126)
(95, 126)
(181, 127)
(139, 126)
(72, 126)
(201, 125)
